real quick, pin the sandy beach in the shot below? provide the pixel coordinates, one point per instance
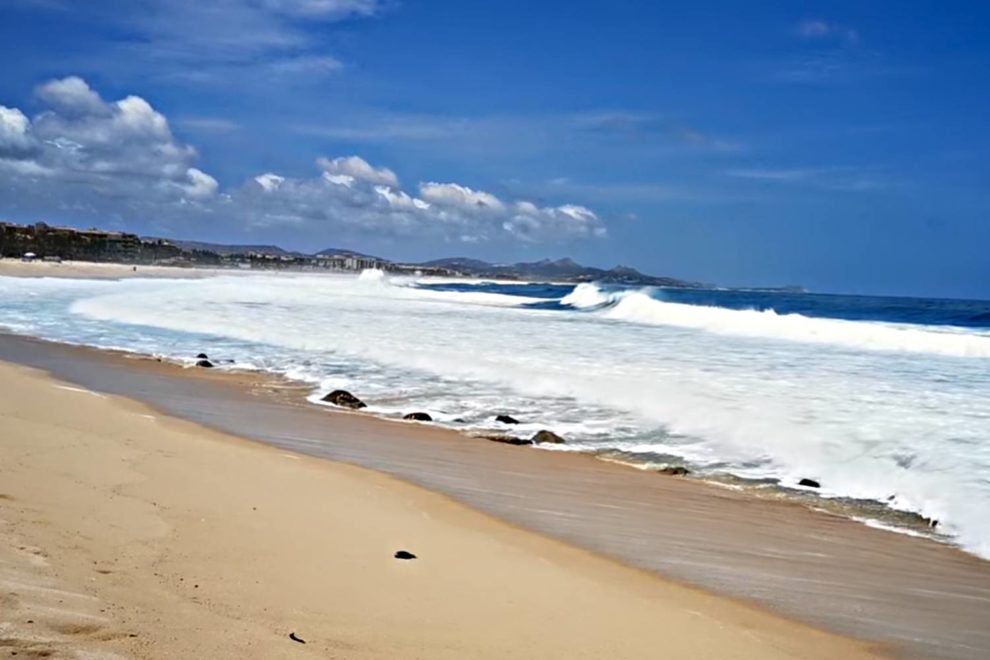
(127, 533)
(101, 271)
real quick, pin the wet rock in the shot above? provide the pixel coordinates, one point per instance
(810, 483)
(418, 417)
(403, 554)
(547, 436)
(202, 356)
(506, 419)
(344, 399)
(931, 522)
(206, 364)
(675, 470)
(508, 439)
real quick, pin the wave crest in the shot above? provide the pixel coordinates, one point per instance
(639, 306)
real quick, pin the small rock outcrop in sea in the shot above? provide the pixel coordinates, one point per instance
(206, 364)
(810, 483)
(418, 417)
(506, 419)
(675, 470)
(508, 439)
(547, 436)
(404, 554)
(344, 399)
(202, 356)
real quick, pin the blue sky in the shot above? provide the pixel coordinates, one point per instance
(839, 145)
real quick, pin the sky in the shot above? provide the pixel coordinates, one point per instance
(843, 146)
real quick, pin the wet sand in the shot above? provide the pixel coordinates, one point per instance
(922, 598)
(126, 533)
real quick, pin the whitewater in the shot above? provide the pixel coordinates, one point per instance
(882, 402)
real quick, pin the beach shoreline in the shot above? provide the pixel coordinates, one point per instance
(712, 546)
(104, 555)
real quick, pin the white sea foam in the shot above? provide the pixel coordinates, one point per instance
(866, 421)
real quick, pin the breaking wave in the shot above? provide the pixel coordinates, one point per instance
(640, 306)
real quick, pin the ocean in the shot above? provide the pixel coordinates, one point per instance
(883, 401)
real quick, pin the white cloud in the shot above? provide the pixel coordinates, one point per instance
(120, 159)
(357, 168)
(83, 146)
(269, 181)
(71, 95)
(461, 197)
(15, 138)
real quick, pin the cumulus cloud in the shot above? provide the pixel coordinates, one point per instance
(15, 139)
(71, 95)
(121, 158)
(83, 145)
(460, 197)
(352, 168)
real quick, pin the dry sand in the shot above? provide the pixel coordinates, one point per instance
(126, 532)
(102, 271)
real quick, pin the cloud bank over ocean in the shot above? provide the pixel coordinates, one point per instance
(95, 156)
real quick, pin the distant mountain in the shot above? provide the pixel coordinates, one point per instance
(225, 249)
(565, 269)
(329, 252)
(561, 270)
(228, 249)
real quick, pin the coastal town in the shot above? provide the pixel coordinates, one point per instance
(43, 242)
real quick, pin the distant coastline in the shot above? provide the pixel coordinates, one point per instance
(41, 241)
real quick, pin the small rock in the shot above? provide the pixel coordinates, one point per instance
(508, 439)
(202, 356)
(403, 554)
(810, 483)
(675, 470)
(547, 436)
(418, 417)
(206, 364)
(344, 399)
(506, 419)
(296, 638)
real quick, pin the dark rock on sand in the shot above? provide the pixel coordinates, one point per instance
(810, 483)
(402, 554)
(675, 470)
(344, 399)
(418, 417)
(296, 638)
(206, 364)
(506, 419)
(508, 439)
(547, 436)
(202, 356)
